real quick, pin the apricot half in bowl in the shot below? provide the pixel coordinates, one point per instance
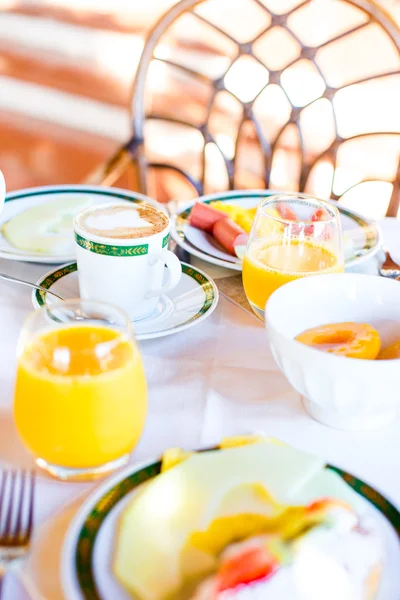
(336, 390)
(354, 340)
(391, 352)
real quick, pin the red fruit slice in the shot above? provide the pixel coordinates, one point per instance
(250, 565)
(204, 216)
(320, 214)
(324, 504)
(286, 212)
(226, 233)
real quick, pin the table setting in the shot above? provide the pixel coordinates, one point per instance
(138, 359)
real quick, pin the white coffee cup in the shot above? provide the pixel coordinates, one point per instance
(127, 272)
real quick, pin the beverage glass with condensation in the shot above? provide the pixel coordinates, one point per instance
(293, 235)
(80, 396)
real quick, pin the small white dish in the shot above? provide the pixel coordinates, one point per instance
(341, 392)
(362, 242)
(86, 561)
(193, 300)
(17, 202)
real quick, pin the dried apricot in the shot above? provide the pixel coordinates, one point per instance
(391, 352)
(354, 340)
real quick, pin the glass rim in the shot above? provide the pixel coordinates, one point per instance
(124, 326)
(329, 206)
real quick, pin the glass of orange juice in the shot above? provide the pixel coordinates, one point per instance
(293, 235)
(80, 396)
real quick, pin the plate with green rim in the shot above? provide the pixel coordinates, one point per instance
(86, 571)
(21, 200)
(193, 300)
(362, 239)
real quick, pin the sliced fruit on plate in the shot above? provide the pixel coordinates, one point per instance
(227, 519)
(241, 440)
(323, 232)
(46, 228)
(286, 212)
(320, 214)
(156, 527)
(250, 565)
(172, 457)
(243, 217)
(390, 352)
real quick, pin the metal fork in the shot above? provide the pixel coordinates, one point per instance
(17, 490)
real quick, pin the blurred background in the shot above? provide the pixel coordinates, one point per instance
(67, 68)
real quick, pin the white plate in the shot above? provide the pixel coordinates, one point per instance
(17, 202)
(88, 549)
(362, 240)
(192, 301)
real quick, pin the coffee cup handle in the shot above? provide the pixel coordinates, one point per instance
(2, 190)
(174, 271)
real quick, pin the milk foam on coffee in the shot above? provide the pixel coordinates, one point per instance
(123, 221)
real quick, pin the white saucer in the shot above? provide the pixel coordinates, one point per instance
(192, 301)
(17, 202)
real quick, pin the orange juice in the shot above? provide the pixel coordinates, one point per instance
(268, 266)
(80, 398)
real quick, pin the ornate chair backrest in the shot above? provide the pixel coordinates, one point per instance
(281, 94)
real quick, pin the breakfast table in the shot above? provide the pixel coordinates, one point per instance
(215, 380)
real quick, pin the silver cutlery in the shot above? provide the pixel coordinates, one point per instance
(17, 491)
(389, 268)
(29, 284)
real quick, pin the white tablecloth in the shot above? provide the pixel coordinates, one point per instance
(216, 379)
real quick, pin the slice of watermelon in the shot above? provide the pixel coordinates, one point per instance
(250, 565)
(204, 217)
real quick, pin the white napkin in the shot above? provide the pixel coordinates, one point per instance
(390, 228)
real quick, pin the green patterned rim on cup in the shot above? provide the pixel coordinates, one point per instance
(107, 250)
(90, 528)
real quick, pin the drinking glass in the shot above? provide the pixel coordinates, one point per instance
(80, 396)
(293, 235)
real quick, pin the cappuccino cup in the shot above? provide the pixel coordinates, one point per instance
(121, 255)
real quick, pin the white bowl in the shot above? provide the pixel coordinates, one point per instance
(344, 393)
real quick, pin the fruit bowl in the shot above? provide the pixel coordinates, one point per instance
(341, 392)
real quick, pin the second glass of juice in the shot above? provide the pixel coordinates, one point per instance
(80, 397)
(293, 235)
